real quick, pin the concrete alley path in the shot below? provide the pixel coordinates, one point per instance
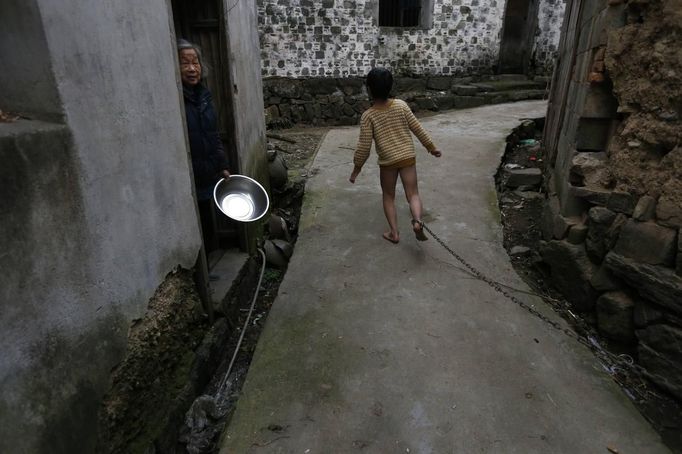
(378, 348)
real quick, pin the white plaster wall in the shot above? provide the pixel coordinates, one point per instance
(101, 209)
(550, 20)
(340, 38)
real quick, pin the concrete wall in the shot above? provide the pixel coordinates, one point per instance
(95, 212)
(27, 85)
(341, 38)
(614, 213)
(247, 93)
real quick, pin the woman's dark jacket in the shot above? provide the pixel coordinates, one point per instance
(208, 155)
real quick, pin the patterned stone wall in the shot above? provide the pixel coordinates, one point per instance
(550, 20)
(341, 38)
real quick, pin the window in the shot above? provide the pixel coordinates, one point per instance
(399, 13)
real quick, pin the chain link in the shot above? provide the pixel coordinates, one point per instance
(619, 363)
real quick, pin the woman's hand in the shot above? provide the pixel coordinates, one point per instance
(436, 153)
(225, 174)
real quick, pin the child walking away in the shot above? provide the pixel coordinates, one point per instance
(389, 122)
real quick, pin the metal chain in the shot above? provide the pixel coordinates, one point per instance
(626, 362)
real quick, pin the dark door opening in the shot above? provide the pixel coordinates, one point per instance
(199, 21)
(520, 21)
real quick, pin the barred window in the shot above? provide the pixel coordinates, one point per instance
(399, 13)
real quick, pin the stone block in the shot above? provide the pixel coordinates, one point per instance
(604, 281)
(522, 177)
(588, 169)
(445, 102)
(285, 88)
(467, 102)
(600, 220)
(320, 85)
(406, 84)
(648, 242)
(571, 273)
(593, 134)
(660, 352)
(592, 195)
(669, 212)
(646, 314)
(351, 86)
(439, 83)
(599, 102)
(645, 209)
(465, 90)
(562, 225)
(621, 202)
(271, 113)
(425, 103)
(657, 284)
(577, 234)
(615, 317)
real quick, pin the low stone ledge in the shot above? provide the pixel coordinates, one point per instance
(657, 284)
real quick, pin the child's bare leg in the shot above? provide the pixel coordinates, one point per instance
(389, 178)
(408, 176)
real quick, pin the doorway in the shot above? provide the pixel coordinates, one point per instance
(520, 22)
(199, 21)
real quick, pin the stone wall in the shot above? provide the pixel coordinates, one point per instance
(612, 222)
(341, 101)
(341, 38)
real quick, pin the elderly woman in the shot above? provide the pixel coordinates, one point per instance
(209, 161)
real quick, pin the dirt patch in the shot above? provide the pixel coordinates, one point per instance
(156, 368)
(644, 62)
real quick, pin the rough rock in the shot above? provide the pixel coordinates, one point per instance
(577, 234)
(465, 90)
(604, 281)
(407, 84)
(562, 225)
(523, 177)
(668, 212)
(439, 83)
(320, 86)
(645, 209)
(600, 220)
(646, 314)
(657, 284)
(660, 352)
(588, 168)
(615, 316)
(647, 242)
(571, 272)
(285, 88)
(425, 103)
(519, 250)
(593, 195)
(621, 202)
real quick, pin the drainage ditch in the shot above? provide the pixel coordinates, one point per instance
(521, 197)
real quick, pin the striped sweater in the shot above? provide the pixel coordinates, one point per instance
(390, 128)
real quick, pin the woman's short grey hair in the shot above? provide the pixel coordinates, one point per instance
(184, 44)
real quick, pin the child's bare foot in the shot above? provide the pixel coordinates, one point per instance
(393, 238)
(418, 227)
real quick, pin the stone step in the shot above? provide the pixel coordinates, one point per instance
(509, 85)
(499, 97)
